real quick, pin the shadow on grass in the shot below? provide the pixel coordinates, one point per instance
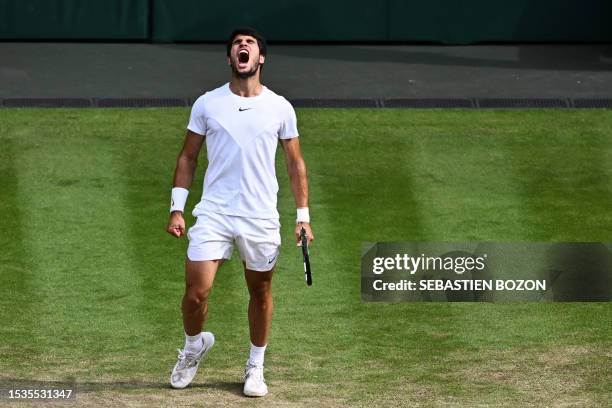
(87, 387)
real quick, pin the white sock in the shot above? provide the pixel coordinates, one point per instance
(193, 344)
(256, 356)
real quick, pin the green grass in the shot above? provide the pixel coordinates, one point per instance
(90, 283)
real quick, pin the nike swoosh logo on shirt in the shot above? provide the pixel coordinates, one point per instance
(243, 109)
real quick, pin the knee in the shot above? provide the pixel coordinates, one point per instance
(261, 293)
(196, 298)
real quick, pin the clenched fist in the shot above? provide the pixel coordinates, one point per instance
(176, 224)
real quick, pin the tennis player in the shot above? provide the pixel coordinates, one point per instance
(241, 123)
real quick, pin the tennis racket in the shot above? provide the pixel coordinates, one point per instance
(307, 273)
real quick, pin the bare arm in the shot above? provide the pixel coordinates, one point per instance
(187, 161)
(296, 167)
(186, 164)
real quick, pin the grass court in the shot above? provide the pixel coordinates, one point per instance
(90, 283)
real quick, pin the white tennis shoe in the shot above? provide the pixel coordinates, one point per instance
(254, 382)
(187, 365)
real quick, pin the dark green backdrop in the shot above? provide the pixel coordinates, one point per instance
(75, 19)
(440, 21)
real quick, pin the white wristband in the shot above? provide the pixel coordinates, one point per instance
(179, 198)
(303, 215)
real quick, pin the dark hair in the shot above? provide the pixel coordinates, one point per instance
(261, 41)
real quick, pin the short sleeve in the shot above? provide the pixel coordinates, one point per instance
(197, 119)
(288, 129)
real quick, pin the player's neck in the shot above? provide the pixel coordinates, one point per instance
(246, 87)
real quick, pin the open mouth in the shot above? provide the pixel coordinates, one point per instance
(243, 56)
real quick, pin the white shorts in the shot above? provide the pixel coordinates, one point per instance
(213, 236)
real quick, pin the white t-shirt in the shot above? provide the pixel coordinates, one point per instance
(241, 140)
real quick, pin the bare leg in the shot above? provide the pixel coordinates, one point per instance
(260, 305)
(199, 278)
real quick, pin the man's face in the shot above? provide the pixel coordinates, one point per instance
(244, 56)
